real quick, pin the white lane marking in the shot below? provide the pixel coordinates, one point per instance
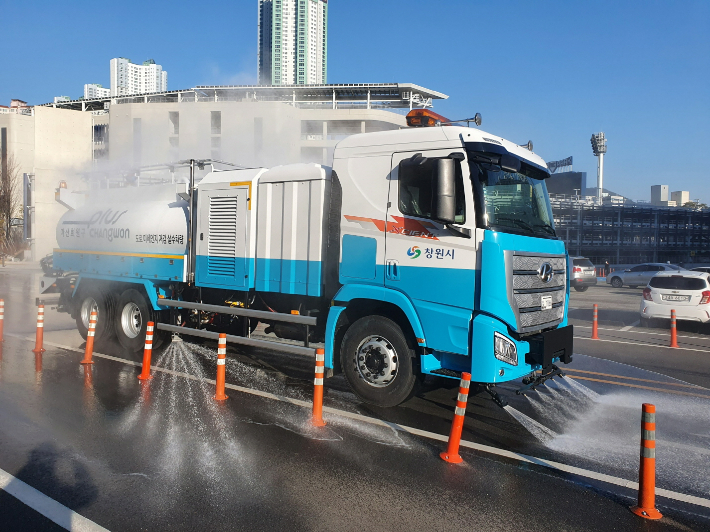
(639, 343)
(48, 507)
(634, 324)
(551, 464)
(660, 333)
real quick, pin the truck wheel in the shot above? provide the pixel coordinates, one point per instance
(132, 316)
(94, 299)
(377, 361)
(581, 288)
(616, 282)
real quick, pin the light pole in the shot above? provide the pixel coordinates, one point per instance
(599, 149)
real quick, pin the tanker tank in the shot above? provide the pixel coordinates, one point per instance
(132, 231)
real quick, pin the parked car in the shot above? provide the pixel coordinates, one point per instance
(640, 275)
(686, 292)
(583, 274)
(705, 269)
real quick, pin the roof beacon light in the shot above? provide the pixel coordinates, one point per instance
(425, 118)
(528, 146)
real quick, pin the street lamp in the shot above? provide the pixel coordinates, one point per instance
(599, 149)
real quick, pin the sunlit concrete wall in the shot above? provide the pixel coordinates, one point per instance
(62, 149)
(249, 133)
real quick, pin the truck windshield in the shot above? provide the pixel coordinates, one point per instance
(512, 202)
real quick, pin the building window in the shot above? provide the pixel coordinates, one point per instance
(216, 122)
(216, 147)
(137, 142)
(174, 122)
(258, 134)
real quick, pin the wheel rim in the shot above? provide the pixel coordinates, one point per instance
(616, 283)
(131, 320)
(87, 307)
(376, 361)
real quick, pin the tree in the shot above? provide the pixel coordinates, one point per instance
(10, 206)
(695, 205)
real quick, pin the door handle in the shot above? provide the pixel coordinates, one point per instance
(392, 270)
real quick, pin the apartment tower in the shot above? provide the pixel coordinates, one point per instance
(293, 42)
(129, 78)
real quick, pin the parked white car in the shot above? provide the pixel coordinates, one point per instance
(686, 292)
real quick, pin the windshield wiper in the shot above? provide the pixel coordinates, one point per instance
(519, 223)
(547, 228)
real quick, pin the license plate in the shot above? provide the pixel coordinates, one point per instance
(589, 273)
(675, 298)
(545, 302)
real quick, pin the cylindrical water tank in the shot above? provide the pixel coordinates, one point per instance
(150, 219)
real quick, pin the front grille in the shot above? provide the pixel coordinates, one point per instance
(528, 290)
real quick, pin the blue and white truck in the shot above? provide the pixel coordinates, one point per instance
(420, 251)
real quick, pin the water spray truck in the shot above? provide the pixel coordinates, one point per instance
(429, 250)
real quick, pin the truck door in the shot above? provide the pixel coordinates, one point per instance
(221, 259)
(423, 259)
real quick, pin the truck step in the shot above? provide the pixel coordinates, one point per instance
(447, 373)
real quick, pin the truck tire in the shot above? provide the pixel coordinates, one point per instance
(617, 283)
(377, 362)
(93, 298)
(133, 312)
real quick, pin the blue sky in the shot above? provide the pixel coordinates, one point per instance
(550, 71)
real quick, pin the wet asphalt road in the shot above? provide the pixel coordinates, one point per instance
(164, 456)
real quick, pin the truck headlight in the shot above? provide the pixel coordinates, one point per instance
(505, 349)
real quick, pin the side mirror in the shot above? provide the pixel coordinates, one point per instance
(444, 184)
(508, 163)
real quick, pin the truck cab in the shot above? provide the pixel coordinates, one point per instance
(447, 236)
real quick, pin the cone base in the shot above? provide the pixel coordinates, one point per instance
(145, 377)
(646, 513)
(318, 422)
(220, 397)
(452, 459)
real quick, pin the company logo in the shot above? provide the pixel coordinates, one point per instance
(545, 273)
(414, 252)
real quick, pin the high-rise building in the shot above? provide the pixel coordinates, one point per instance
(659, 194)
(293, 42)
(130, 78)
(681, 197)
(94, 90)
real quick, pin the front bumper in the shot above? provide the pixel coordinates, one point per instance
(653, 310)
(534, 352)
